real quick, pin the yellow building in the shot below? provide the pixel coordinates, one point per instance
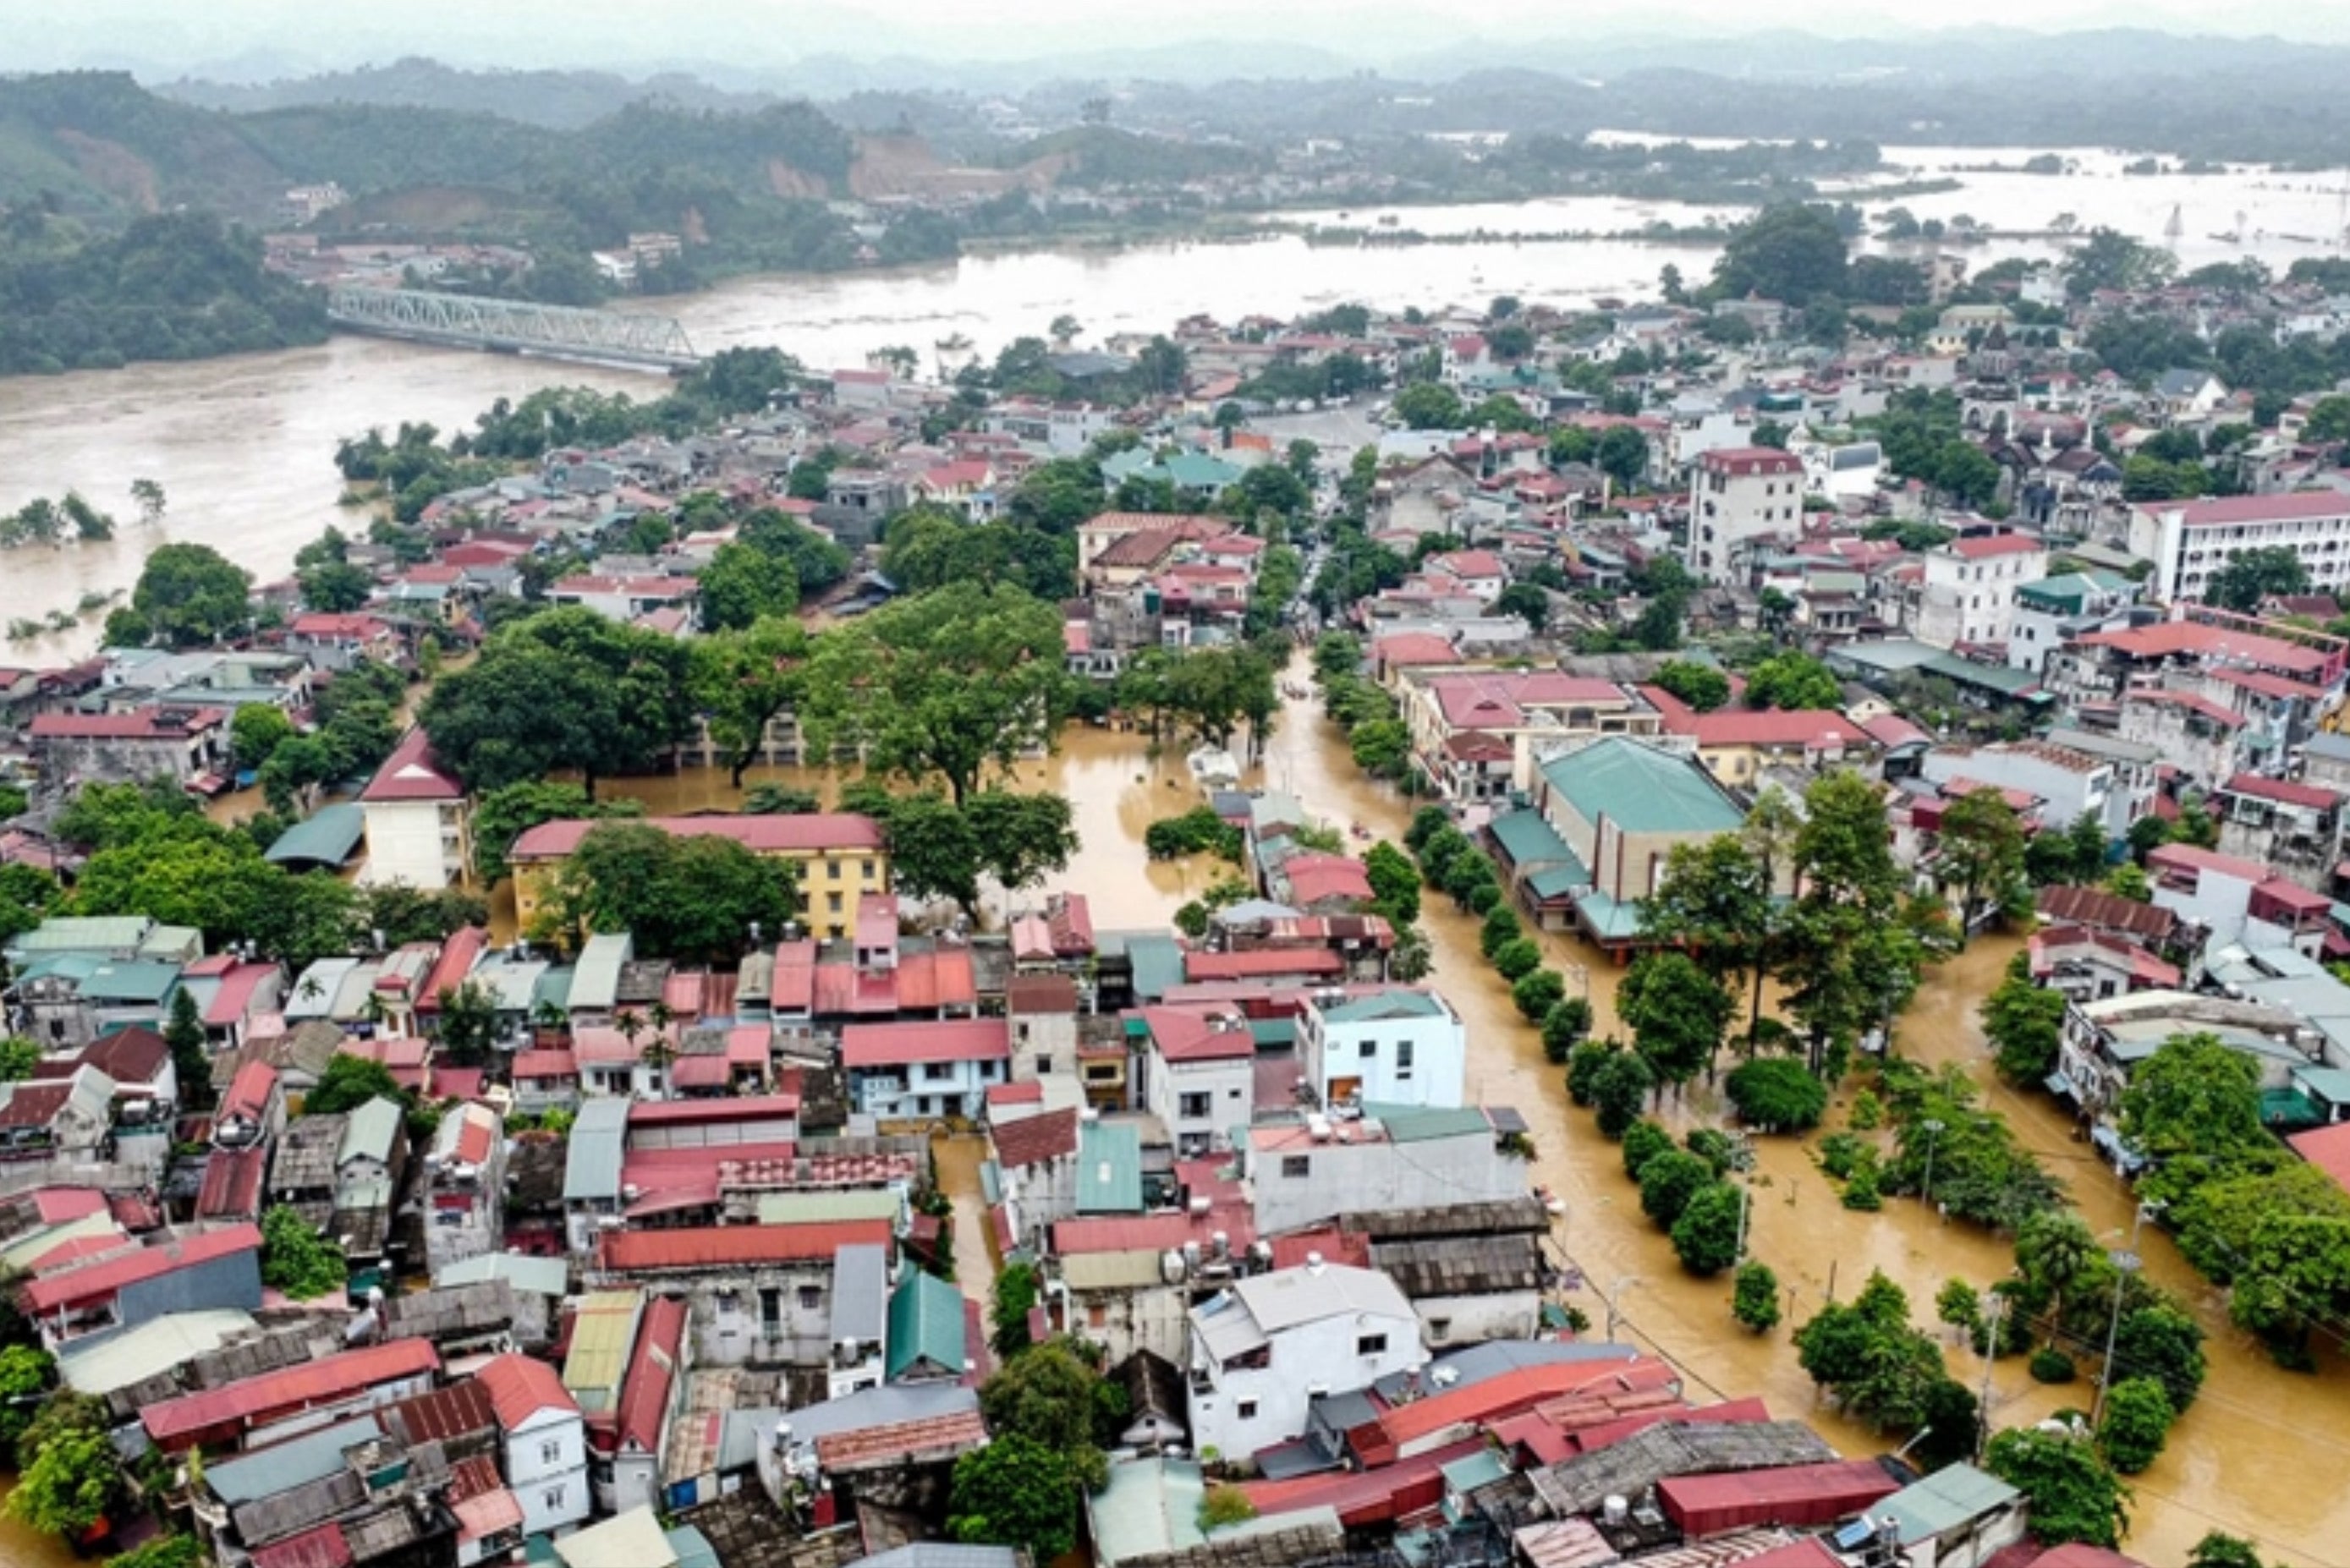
(842, 859)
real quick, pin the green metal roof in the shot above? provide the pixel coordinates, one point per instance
(1151, 1506)
(1418, 1123)
(1273, 1032)
(691, 1548)
(1396, 1002)
(1609, 920)
(1533, 846)
(85, 933)
(1991, 678)
(817, 1207)
(1110, 1168)
(926, 1325)
(369, 1129)
(1641, 789)
(1158, 965)
(102, 980)
(327, 837)
(2331, 1085)
(1945, 1501)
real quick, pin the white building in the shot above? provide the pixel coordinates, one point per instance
(419, 826)
(2189, 541)
(2070, 783)
(1969, 592)
(2050, 612)
(465, 1186)
(1198, 1075)
(1262, 1352)
(1401, 1046)
(1737, 495)
(924, 1071)
(546, 1440)
(1395, 1156)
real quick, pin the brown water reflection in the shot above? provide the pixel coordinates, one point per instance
(2222, 1469)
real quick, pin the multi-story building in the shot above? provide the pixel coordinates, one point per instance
(545, 1442)
(2070, 783)
(2052, 611)
(924, 1072)
(185, 744)
(2189, 541)
(1967, 591)
(754, 1294)
(420, 821)
(1397, 1045)
(464, 1183)
(1307, 1173)
(1198, 1067)
(842, 859)
(1264, 1350)
(1737, 495)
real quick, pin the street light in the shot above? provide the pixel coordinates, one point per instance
(1615, 1295)
(1933, 1131)
(2126, 1264)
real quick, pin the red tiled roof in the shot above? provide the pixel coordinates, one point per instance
(763, 835)
(2096, 907)
(323, 623)
(145, 723)
(1748, 459)
(310, 1383)
(946, 1039)
(1986, 546)
(234, 994)
(652, 1373)
(61, 1205)
(2328, 1148)
(2216, 510)
(411, 772)
(2167, 638)
(1313, 878)
(456, 962)
(1890, 729)
(2286, 791)
(744, 1109)
(1032, 1140)
(941, 979)
(728, 1246)
(2189, 856)
(898, 1441)
(1515, 1390)
(520, 1387)
(546, 1064)
(1262, 962)
(248, 1091)
(1028, 1093)
(1192, 1034)
(96, 1281)
(795, 984)
(2225, 717)
(1408, 648)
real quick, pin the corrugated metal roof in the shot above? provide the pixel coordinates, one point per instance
(281, 1466)
(329, 1377)
(369, 1129)
(596, 978)
(1110, 1168)
(326, 837)
(1950, 1498)
(601, 1334)
(154, 1347)
(599, 1137)
(1641, 789)
(860, 1292)
(926, 1325)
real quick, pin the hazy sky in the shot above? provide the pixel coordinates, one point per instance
(174, 35)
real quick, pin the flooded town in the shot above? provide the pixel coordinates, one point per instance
(1492, 819)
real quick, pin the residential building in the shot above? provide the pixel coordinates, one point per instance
(1739, 495)
(651, 1392)
(2103, 1040)
(87, 1305)
(464, 1176)
(1736, 745)
(419, 820)
(1396, 1044)
(842, 857)
(1470, 728)
(1197, 1069)
(1967, 591)
(2051, 612)
(2237, 900)
(756, 1294)
(2069, 785)
(252, 1411)
(927, 1331)
(1307, 1173)
(1616, 808)
(1262, 1351)
(924, 1072)
(189, 745)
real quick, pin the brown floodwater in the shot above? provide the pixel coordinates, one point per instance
(2221, 1469)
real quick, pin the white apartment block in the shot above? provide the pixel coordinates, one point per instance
(2189, 541)
(1737, 495)
(1969, 592)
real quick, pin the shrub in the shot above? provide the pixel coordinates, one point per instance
(1643, 1141)
(1618, 1088)
(1563, 1028)
(1861, 1192)
(1485, 898)
(1839, 1153)
(1777, 1095)
(2136, 1423)
(1718, 1149)
(1516, 959)
(1867, 1112)
(1667, 1181)
(1583, 1064)
(1502, 927)
(1705, 1238)
(1754, 1297)
(1196, 832)
(2051, 1365)
(1536, 994)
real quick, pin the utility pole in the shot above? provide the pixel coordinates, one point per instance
(1933, 1130)
(1990, 1359)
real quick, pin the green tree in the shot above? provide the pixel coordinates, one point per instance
(191, 595)
(469, 1022)
(1668, 1182)
(2218, 1550)
(296, 1259)
(2251, 576)
(26, 1373)
(944, 683)
(1788, 253)
(163, 1552)
(1015, 1295)
(1644, 1141)
(1959, 1305)
(1714, 901)
(693, 899)
(2162, 1341)
(1622, 454)
(1792, 681)
(564, 690)
(1395, 883)
(69, 1475)
(1776, 1095)
(1979, 850)
(1534, 995)
(1381, 748)
(1564, 1027)
(256, 732)
(1015, 1491)
(2071, 1492)
(743, 680)
(507, 812)
(1528, 601)
(192, 1061)
(347, 1084)
(1705, 1237)
(743, 585)
(1619, 1085)
(1429, 406)
(1848, 961)
(1676, 1012)
(1054, 1395)
(2024, 1024)
(2136, 1423)
(1517, 959)
(2194, 1095)
(1754, 1297)
(19, 1059)
(1702, 686)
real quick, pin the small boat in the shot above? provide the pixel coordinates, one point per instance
(1551, 1201)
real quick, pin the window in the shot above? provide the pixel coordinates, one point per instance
(933, 1071)
(1440, 1328)
(864, 869)
(1190, 1105)
(554, 1497)
(1097, 1316)
(550, 1451)
(832, 871)
(1403, 1055)
(832, 903)
(1371, 1344)
(1246, 1410)
(811, 1297)
(730, 1302)
(771, 1308)
(1370, 1048)
(1296, 1164)
(1044, 1064)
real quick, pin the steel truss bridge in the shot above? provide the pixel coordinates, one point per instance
(513, 327)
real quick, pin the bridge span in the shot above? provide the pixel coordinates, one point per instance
(513, 327)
